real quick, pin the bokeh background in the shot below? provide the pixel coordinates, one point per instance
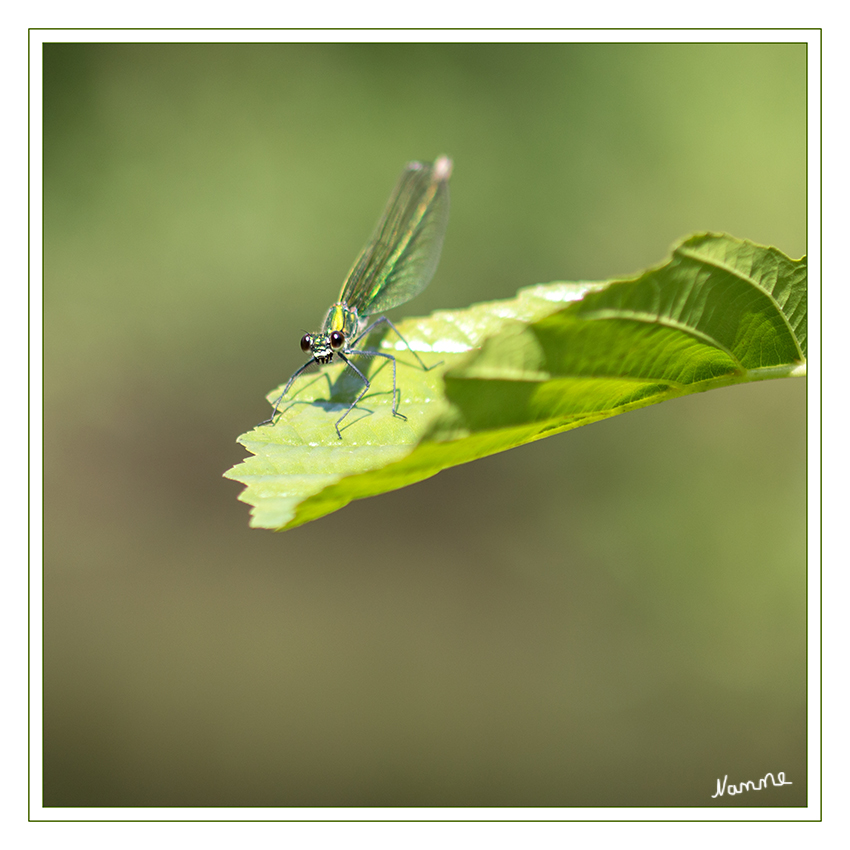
(612, 616)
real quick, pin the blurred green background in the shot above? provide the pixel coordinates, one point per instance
(612, 616)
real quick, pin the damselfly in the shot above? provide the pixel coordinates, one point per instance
(397, 263)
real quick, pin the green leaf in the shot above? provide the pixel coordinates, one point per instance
(719, 311)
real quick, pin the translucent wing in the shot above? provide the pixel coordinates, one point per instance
(402, 255)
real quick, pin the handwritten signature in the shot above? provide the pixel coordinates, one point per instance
(750, 785)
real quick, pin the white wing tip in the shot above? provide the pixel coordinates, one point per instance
(442, 168)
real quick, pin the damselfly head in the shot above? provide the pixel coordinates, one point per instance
(322, 346)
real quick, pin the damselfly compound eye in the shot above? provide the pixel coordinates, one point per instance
(306, 343)
(337, 339)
